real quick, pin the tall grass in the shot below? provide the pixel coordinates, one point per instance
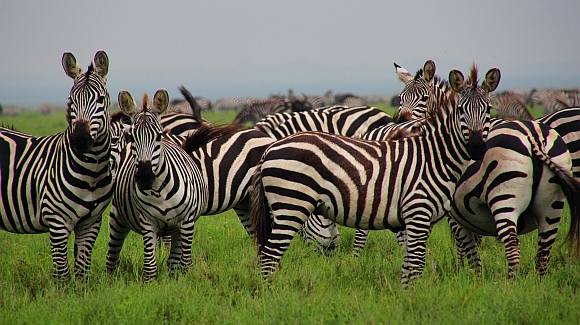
(223, 285)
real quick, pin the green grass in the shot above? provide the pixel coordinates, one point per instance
(223, 286)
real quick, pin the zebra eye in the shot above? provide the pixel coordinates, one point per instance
(101, 99)
(158, 139)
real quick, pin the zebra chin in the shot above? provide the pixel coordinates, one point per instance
(476, 146)
(81, 139)
(144, 176)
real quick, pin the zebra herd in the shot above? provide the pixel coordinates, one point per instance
(299, 169)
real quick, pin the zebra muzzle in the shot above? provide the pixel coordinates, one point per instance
(144, 176)
(476, 146)
(81, 140)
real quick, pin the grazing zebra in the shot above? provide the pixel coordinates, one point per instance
(349, 100)
(261, 108)
(365, 184)
(519, 186)
(231, 103)
(342, 120)
(551, 99)
(512, 106)
(160, 190)
(62, 183)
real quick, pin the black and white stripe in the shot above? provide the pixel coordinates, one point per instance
(371, 184)
(61, 183)
(519, 186)
(342, 120)
(425, 86)
(512, 106)
(159, 189)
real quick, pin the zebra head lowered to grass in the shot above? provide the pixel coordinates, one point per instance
(62, 183)
(365, 184)
(159, 190)
(519, 186)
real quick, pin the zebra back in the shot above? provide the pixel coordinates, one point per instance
(348, 121)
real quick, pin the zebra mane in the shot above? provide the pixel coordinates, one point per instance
(89, 71)
(145, 102)
(473, 81)
(207, 132)
(438, 110)
(438, 81)
(9, 127)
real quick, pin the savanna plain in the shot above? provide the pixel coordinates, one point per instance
(223, 285)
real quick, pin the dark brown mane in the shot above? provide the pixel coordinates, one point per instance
(472, 81)
(9, 127)
(207, 132)
(419, 74)
(89, 71)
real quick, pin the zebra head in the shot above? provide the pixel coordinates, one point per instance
(417, 92)
(473, 107)
(88, 103)
(147, 133)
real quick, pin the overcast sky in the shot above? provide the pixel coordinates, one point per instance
(255, 48)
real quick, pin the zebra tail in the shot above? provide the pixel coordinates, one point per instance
(193, 103)
(260, 223)
(571, 188)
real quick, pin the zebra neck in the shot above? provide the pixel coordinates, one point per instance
(96, 158)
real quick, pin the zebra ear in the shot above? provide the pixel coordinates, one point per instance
(403, 74)
(126, 103)
(69, 63)
(491, 81)
(160, 101)
(102, 64)
(456, 80)
(429, 70)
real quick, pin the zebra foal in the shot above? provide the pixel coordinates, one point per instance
(62, 183)
(159, 189)
(365, 184)
(519, 186)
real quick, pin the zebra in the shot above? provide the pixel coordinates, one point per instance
(260, 108)
(348, 99)
(231, 103)
(62, 183)
(159, 189)
(518, 186)
(419, 89)
(512, 106)
(365, 184)
(551, 99)
(347, 121)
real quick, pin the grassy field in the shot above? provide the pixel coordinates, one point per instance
(223, 286)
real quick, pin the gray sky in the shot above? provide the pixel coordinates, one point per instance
(255, 48)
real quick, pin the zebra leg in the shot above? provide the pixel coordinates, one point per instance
(85, 236)
(418, 229)
(508, 236)
(149, 259)
(547, 231)
(117, 234)
(284, 228)
(360, 240)
(59, 234)
(181, 252)
(466, 242)
(242, 210)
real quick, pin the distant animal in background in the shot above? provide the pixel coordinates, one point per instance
(512, 106)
